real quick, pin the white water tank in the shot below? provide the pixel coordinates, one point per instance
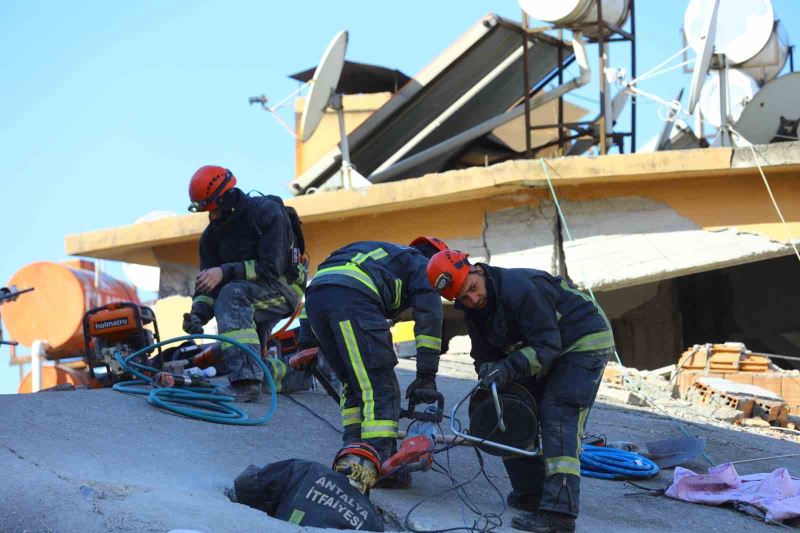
(741, 89)
(743, 27)
(768, 63)
(569, 13)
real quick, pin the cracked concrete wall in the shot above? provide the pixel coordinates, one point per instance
(618, 242)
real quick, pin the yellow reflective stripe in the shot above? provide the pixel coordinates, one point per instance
(398, 293)
(533, 360)
(562, 465)
(378, 428)
(593, 341)
(567, 287)
(298, 290)
(378, 253)
(583, 414)
(267, 304)
(359, 369)
(279, 370)
(203, 299)
(352, 271)
(245, 336)
(303, 314)
(250, 269)
(296, 516)
(351, 416)
(429, 341)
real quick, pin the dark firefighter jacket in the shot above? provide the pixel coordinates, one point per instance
(394, 276)
(306, 493)
(533, 318)
(253, 243)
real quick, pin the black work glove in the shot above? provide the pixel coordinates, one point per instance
(192, 324)
(425, 380)
(499, 373)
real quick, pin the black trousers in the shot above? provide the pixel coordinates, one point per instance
(355, 339)
(564, 398)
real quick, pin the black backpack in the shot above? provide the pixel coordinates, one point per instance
(297, 263)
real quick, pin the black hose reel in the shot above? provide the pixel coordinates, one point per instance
(503, 422)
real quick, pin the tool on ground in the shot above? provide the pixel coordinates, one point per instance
(194, 355)
(416, 449)
(118, 328)
(307, 360)
(665, 453)
(501, 421)
(193, 402)
(165, 379)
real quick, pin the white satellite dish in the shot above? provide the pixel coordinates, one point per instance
(743, 27)
(703, 61)
(146, 277)
(773, 115)
(323, 85)
(740, 90)
(323, 95)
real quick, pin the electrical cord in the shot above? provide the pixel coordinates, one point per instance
(193, 402)
(313, 413)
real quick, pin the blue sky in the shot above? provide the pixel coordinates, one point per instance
(108, 107)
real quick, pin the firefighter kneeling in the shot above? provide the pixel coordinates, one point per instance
(539, 331)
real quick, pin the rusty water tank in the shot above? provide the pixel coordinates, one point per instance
(54, 375)
(53, 312)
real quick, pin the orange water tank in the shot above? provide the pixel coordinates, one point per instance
(54, 311)
(53, 375)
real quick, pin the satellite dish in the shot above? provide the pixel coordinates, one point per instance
(323, 95)
(703, 61)
(740, 90)
(773, 114)
(146, 277)
(323, 85)
(743, 27)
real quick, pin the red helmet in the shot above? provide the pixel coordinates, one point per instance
(435, 244)
(361, 449)
(447, 272)
(207, 186)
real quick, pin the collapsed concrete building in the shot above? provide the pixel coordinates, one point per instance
(679, 247)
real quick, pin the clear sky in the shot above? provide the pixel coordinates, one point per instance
(109, 107)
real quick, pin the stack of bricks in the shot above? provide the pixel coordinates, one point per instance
(732, 361)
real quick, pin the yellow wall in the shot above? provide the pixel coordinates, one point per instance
(711, 203)
(357, 108)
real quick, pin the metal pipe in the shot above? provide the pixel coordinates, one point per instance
(450, 111)
(526, 90)
(38, 349)
(633, 76)
(485, 127)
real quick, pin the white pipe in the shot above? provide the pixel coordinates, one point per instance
(487, 126)
(38, 349)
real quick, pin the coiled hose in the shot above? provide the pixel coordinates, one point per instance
(610, 463)
(194, 402)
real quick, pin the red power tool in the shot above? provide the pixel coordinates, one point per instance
(416, 449)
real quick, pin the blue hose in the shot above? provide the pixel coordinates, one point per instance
(194, 402)
(610, 463)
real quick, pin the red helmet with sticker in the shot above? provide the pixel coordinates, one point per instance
(447, 272)
(208, 185)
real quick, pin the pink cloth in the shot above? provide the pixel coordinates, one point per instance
(776, 493)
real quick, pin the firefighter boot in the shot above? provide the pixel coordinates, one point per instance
(245, 390)
(544, 522)
(524, 501)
